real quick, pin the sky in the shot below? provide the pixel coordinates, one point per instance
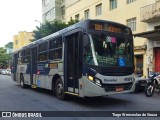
(18, 15)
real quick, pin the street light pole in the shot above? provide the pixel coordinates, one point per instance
(39, 23)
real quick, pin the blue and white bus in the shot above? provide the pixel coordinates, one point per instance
(90, 58)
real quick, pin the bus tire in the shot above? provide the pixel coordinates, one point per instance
(59, 89)
(22, 81)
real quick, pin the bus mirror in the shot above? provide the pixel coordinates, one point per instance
(85, 40)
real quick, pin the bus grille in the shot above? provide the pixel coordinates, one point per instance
(113, 87)
(116, 74)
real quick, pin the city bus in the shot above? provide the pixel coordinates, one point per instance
(88, 59)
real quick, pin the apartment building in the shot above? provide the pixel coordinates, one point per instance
(141, 15)
(51, 10)
(123, 11)
(150, 15)
(23, 38)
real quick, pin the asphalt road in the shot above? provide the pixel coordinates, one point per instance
(14, 98)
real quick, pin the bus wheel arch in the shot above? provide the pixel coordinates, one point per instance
(58, 87)
(55, 77)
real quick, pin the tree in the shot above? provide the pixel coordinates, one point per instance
(50, 27)
(9, 45)
(4, 58)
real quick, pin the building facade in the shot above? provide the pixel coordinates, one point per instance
(123, 11)
(150, 15)
(51, 10)
(23, 38)
(142, 16)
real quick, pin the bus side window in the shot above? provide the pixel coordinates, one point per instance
(42, 57)
(57, 54)
(55, 48)
(42, 49)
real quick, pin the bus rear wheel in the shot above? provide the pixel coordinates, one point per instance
(59, 89)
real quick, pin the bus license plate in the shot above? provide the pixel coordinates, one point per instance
(119, 89)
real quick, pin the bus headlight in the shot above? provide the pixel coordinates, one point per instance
(91, 78)
(94, 80)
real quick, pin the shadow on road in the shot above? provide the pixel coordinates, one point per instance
(91, 102)
(98, 101)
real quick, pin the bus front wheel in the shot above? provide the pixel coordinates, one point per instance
(59, 89)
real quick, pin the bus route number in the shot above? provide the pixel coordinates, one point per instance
(114, 29)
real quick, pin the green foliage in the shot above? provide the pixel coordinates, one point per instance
(4, 58)
(9, 45)
(50, 27)
(71, 22)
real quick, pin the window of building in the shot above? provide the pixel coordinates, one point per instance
(157, 27)
(47, 15)
(70, 18)
(77, 17)
(99, 9)
(113, 4)
(45, 2)
(132, 23)
(139, 65)
(130, 1)
(62, 1)
(16, 42)
(52, 12)
(63, 10)
(86, 14)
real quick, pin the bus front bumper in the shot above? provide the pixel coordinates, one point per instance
(93, 90)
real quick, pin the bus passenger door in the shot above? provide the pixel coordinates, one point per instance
(14, 68)
(33, 67)
(72, 61)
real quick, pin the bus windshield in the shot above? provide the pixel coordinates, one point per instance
(105, 50)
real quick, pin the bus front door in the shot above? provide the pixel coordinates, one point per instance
(72, 62)
(14, 69)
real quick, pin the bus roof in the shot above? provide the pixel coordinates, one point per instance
(81, 24)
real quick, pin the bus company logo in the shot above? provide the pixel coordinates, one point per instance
(6, 114)
(110, 80)
(21, 114)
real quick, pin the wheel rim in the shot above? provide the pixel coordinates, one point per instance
(59, 89)
(150, 89)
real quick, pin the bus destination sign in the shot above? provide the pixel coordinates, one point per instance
(108, 27)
